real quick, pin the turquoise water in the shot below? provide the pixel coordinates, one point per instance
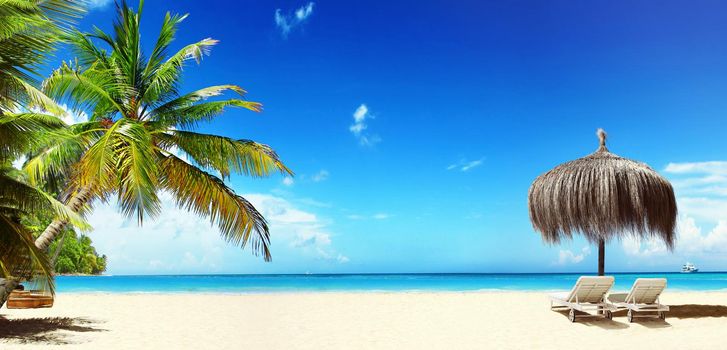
(366, 282)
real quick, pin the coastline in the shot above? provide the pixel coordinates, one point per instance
(351, 320)
(314, 283)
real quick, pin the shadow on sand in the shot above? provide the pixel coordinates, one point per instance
(589, 320)
(675, 311)
(44, 330)
(697, 311)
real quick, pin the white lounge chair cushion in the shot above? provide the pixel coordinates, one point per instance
(644, 291)
(560, 295)
(591, 289)
(588, 289)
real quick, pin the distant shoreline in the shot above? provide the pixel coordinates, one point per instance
(676, 272)
(369, 282)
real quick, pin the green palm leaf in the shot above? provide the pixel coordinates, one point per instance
(138, 172)
(29, 31)
(189, 116)
(27, 199)
(206, 195)
(21, 131)
(93, 86)
(52, 161)
(227, 155)
(19, 257)
(128, 148)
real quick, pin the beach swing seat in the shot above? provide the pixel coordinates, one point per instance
(24, 299)
(33, 299)
(643, 297)
(588, 295)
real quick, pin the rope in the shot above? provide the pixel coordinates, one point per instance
(58, 249)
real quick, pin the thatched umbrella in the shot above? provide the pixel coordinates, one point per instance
(602, 196)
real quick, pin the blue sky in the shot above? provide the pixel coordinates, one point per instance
(415, 129)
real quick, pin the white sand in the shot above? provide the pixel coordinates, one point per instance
(448, 320)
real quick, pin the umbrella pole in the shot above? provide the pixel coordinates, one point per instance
(601, 257)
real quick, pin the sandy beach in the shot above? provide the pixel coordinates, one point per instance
(363, 320)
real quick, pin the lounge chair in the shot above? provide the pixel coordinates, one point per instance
(643, 297)
(589, 294)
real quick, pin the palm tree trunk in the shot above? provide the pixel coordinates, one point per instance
(601, 257)
(76, 202)
(6, 287)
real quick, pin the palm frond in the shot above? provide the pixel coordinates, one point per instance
(225, 154)
(20, 131)
(51, 161)
(37, 99)
(29, 31)
(138, 171)
(204, 194)
(65, 13)
(97, 168)
(166, 36)
(20, 258)
(193, 97)
(85, 50)
(88, 88)
(189, 116)
(127, 148)
(27, 199)
(166, 75)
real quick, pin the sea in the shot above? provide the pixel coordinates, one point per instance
(419, 282)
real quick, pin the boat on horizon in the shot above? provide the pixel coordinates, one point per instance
(689, 268)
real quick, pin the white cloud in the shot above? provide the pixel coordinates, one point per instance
(304, 12)
(181, 242)
(701, 192)
(94, 4)
(697, 183)
(701, 189)
(189, 242)
(69, 116)
(568, 257)
(287, 22)
(320, 176)
(692, 242)
(652, 246)
(472, 164)
(72, 117)
(302, 229)
(342, 259)
(712, 167)
(288, 181)
(18, 163)
(377, 216)
(465, 165)
(360, 114)
(359, 126)
(703, 208)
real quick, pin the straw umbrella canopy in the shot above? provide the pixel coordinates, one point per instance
(603, 197)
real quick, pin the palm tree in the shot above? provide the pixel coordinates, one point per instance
(29, 30)
(139, 134)
(19, 257)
